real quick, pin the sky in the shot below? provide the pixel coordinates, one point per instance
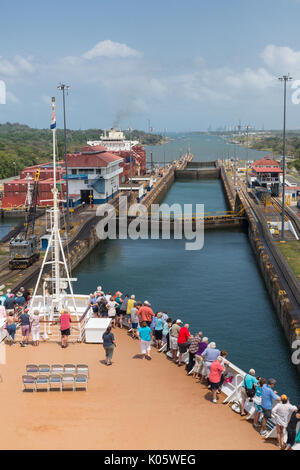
(183, 65)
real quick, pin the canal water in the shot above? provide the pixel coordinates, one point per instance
(203, 147)
(218, 290)
(7, 224)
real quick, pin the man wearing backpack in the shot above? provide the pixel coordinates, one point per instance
(248, 389)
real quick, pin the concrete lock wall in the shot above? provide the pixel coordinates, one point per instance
(197, 174)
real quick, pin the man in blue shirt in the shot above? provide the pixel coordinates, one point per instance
(267, 397)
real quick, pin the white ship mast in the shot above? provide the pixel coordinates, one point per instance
(57, 299)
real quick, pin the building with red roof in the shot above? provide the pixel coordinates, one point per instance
(266, 173)
(93, 175)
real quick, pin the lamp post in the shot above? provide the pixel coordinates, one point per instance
(130, 160)
(283, 79)
(64, 87)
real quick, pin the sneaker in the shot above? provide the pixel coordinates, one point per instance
(23, 345)
(214, 400)
(263, 433)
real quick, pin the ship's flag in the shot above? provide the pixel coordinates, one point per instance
(53, 121)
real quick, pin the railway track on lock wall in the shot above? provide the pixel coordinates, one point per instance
(288, 279)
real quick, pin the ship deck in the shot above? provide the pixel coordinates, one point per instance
(133, 404)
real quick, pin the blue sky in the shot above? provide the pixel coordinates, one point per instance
(183, 64)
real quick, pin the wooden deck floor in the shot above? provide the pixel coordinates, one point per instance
(133, 404)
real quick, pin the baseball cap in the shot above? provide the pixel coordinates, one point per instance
(178, 321)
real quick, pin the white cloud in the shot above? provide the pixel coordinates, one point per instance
(17, 67)
(111, 50)
(282, 58)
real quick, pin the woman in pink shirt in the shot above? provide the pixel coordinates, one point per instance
(216, 370)
(65, 320)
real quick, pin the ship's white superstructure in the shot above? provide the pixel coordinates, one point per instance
(114, 140)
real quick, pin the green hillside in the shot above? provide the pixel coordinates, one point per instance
(22, 146)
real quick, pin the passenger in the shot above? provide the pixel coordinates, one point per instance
(257, 401)
(134, 319)
(267, 397)
(9, 302)
(123, 310)
(215, 372)
(166, 333)
(2, 298)
(108, 296)
(199, 369)
(25, 327)
(102, 307)
(131, 303)
(26, 293)
(174, 332)
(210, 354)
(65, 327)
(119, 302)
(111, 309)
(183, 343)
(193, 348)
(152, 326)
(35, 327)
(117, 294)
(145, 336)
(11, 328)
(292, 429)
(165, 315)
(93, 304)
(3, 313)
(225, 364)
(248, 389)
(109, 345)
(158, 330)
(20, 299)
(145, 313)
(282, 413)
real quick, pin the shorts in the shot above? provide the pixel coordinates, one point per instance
(26, 330)
(258, 408)
(215, 386)
(109, 351)
(158, 334)
(145, 346)
(267, 413)
(182, 347)
(11, 330)
(65, 332)
(173, 343)
(134, 325)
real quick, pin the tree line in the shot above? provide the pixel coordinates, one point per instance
(22, 146)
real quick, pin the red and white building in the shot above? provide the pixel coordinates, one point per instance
(93, 175)
(266, 173)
